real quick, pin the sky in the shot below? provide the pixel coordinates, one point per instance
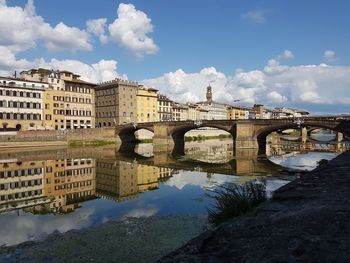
(277, 53)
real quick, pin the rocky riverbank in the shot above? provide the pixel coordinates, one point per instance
(306, 221)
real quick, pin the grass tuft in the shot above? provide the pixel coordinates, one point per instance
(232, 200)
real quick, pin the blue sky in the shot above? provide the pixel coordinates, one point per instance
(227, 37)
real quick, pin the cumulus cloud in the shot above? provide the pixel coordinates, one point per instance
(275, 97)
(130, 31)
(329, 56)
(274, 65)
(97, 27)
(306, 86)
(103, 70)
(255, 16)
(21, 28)
(62, 37)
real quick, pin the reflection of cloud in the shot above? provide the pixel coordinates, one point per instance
(306, 161)
(148, 210)
(198, 179)
(17, 229)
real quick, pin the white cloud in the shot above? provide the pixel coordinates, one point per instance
(62, 37)
(274, 65)
(287, 54)
(101, 71)
(21, 28)
(130, 31)
(198, 179)
(255, 16)
(306, 86)
(329, 56)
(144, 211)
(275, 97)
(97, 27)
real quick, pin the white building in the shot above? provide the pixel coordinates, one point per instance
(21, 104)
(216, 111)
(283, 112)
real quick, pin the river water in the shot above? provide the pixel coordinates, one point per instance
(46, 191)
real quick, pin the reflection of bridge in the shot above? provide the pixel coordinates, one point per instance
(244, 162)
(245, 133)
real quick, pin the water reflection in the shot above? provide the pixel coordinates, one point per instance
(62, 189)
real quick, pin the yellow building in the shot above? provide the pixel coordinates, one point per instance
(147, 105)
(69, 101)
(54, 109)
(237, 113)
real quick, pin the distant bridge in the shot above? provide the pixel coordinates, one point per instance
(245, 133)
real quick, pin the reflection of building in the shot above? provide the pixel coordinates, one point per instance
(72, 181)
(61, 185)
(116, 180)
(147, 177)
(68, 182)
(21, 184)
(147, 105)
(116, 102)
(120, 181)
(46, 186)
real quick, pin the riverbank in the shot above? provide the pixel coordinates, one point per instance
(306, 221)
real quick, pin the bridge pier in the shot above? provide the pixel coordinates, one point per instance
(339, 137)
(162, 140)
(304, 134)
(244, 137)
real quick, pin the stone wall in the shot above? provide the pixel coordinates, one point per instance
(21, 139)
(105, 134)
(32, 136)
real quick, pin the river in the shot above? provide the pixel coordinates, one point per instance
(58, 190)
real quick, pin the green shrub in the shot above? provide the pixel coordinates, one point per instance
(232, 200)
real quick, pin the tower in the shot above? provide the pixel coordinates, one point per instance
(209, 95)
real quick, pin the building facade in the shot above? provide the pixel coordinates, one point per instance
(147, 105)
(237, 113)
(164, 108)
(116, 102)
(21, 104)
(69, 102)
(180, 112)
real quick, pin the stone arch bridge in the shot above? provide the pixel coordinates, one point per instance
(245, 133)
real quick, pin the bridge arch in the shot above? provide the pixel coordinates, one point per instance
(126, 133)
(178, 134)
(262, 133)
